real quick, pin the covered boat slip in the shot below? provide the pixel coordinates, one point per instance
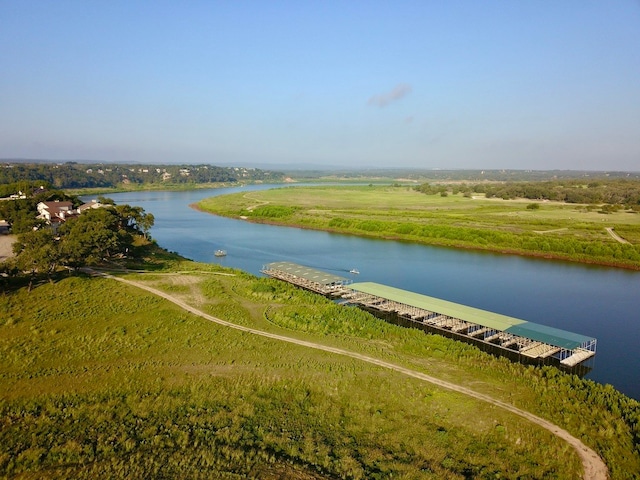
(306, 277)
(526, 339)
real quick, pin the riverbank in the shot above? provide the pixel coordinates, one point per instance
(155, 187)
(573, 297)
(551, 230)
(167, 385)
(593, 466)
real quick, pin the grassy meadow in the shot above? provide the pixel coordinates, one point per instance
(573, 232)
(101, 379)
(144, 187)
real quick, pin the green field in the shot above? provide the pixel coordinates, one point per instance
(550, 229)
(101, 379)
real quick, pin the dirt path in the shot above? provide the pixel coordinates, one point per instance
(594, 467)
(6, 244)
(259, 204)
(550, 231)
(615, 236)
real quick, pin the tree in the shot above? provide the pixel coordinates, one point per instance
(25, 221)
(134, 219)
(92, 237)
(145, 223)
(36, 252)
(7, 270)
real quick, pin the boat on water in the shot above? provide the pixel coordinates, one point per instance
(220, 253)
(354, 271)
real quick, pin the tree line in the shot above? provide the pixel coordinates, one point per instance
(624, 192)
(97, 235)
(85, 175)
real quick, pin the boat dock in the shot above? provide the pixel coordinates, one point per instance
(517, 339)
(307, 278)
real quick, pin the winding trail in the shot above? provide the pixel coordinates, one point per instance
(259, 204)
(550, 231)
(594, 467)
(615, 236)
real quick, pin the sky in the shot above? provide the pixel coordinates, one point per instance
(373, 84)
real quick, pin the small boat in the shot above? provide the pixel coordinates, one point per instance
(220, 253)
(354, 271)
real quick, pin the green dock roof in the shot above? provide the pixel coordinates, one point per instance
(550, 335)
(516, 326)
(308, 273)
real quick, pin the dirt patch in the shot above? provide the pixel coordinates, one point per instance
(192, 284)
(6, 246)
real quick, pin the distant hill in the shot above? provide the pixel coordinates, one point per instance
(72, 174)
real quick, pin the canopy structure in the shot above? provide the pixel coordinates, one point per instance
(306, 277)
(526, 339)
(530, 339)
(444, 307)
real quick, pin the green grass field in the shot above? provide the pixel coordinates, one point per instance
(144, 187)
(100, 379)
(555, 230)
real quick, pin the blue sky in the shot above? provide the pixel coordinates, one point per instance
(425, 84)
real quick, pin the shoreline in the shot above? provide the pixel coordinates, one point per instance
(178, 187)
(538, 255)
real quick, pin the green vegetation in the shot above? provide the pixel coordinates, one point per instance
(104, 177)
(97, 235)
(611, 192)
(568, 231)
(102, 379)
(389, 175)
(21, 212)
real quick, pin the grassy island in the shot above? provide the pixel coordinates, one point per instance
(599, 234)
(104, 379)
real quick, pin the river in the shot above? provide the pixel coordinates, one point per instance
(595, 301)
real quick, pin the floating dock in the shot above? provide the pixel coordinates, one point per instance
(518, 339)
(307, 278)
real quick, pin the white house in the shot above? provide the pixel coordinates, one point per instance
(57, 209)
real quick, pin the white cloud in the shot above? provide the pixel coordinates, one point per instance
(384, 99)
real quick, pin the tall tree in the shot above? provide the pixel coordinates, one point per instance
(92, 237)
(145, 223)
(7, 270)
(134, 219)
(37, 251)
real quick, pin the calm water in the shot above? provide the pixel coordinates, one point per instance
(594, 301)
